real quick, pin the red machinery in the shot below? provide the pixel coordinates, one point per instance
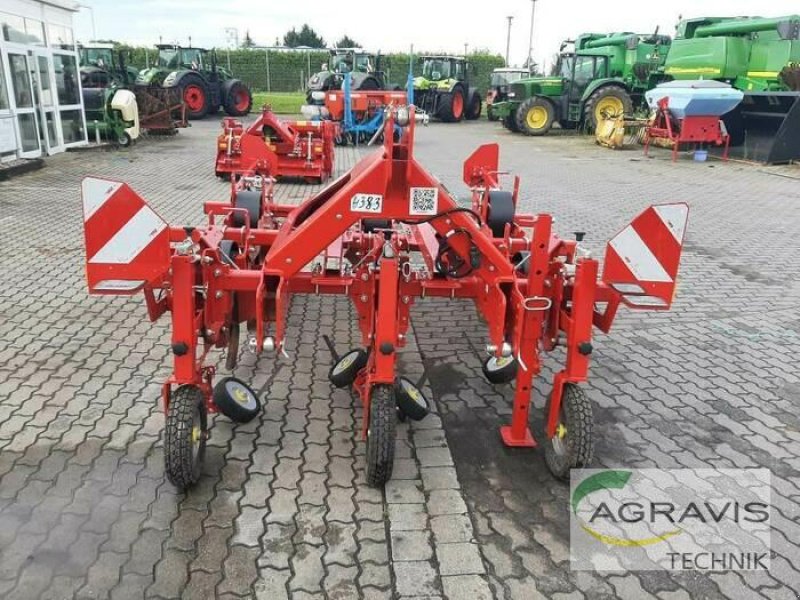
(364, 103)
(383, 234)
(276, 148)
(688, 130)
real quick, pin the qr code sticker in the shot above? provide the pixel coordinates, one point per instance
(424, 201)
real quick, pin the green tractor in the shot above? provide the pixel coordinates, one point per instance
(760, 57)
(605, 76)
(444, 91)
(101, 63)
(204, 85)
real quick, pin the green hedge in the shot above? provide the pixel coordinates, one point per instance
(288, 71)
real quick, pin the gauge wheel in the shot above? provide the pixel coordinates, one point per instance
(236, 400)
(572, 445)
(344, 372)
(500, 370)
(185, 436)
(411, 402)
(381, 434)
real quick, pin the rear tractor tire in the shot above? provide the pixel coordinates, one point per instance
(381, 435)
(185, 436)
(572, 445)
(608, 102)
(535, 116)
(452, 106)
(474, 106)
(238, 100)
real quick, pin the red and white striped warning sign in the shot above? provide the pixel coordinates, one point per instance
(642, 260)
(127, 243)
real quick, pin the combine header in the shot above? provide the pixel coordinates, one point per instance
(384, 234)
(275, 148)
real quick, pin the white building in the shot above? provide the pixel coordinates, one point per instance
(41, 107)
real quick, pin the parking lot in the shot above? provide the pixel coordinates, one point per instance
(283, 509)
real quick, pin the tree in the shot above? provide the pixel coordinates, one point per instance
(248, 42)
(306, 37)
(347, 42)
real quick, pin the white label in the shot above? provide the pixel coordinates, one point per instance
(423, 201)
(368, 203)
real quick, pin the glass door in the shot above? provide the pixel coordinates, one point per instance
(27, 119)
(44, 86)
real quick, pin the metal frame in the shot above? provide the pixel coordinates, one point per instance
(534, 289)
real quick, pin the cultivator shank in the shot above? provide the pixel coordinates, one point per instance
(276, 148)
(384, 234)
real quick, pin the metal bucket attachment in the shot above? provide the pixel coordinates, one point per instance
(765, 127)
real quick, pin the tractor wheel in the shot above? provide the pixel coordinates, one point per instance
(490, 114)
(381, 434)
(238, 101)
(500, 370)
(236, 400)
(195, 95)
(474, 106)
(345, 371)
(535, 116)
(607, 102)
(572, 446)
(510, 123)
(185, 436)
(411, 402)
(451, 106)
(370, 83)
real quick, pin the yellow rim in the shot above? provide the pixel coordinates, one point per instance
(561, 431)
(536, 117)
(195, 434)
(608, 107)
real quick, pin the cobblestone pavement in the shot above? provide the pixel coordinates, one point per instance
(282, 509)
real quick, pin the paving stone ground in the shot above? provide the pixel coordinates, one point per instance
(282, 509)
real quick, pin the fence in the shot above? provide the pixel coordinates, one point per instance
(282, 70)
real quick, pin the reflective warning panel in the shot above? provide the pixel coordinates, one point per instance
(642, 260)
(127, 243)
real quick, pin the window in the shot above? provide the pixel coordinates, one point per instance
(72, 126)
(66, 72)
(34, 31)
(59, 36)
(20, 80)
(3, 87)
(44, 78)
(27, 132)
(565, 63)
(13, 28)
(584, 69)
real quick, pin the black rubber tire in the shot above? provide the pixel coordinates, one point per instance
(445, 112)
(124, 140)
(576, 449)
(344, 372)
(242, 409)
(510, 123)
(411, 402)
(474, 106)
(251, 201)
(369, 84)
(501, 211)
(521, 116)
(490, 113)
(229, 103)
(604, 92)
(182, 460)
(381, 435)
(195, 79)
(500, 371)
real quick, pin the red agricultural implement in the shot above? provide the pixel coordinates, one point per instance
(384, 234)
(668, 131)
(363, 103)
(276, 148)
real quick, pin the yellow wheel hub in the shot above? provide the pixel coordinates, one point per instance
(607, 108)
(536, 117)
(561, 431)
(195, 435)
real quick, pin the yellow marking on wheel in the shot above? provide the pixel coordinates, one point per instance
(561, 431)
(536, 117)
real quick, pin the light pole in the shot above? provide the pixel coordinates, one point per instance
(91, 13)
(508, 38)
(530, 40)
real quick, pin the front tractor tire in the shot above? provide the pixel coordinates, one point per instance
(194, 93)
(572, 445)
(452, 106)
(238, 100)
(608, 102)
(185, 436)
(535, 116)
(510, 123)
(381, 435)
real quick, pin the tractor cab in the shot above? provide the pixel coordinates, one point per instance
(101, 66)
(499, 84)
(175, 57)
(443, 70)
(352, 60)
(363, 67)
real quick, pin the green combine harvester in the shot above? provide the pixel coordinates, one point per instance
(605, 76)
(758, 56)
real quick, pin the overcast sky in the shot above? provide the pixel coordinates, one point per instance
(443, 26)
